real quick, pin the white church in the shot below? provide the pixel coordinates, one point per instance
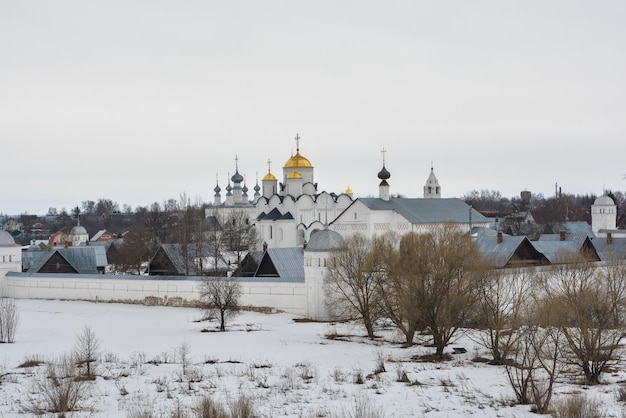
(290, 212)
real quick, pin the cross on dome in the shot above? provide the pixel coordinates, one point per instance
(383, 152)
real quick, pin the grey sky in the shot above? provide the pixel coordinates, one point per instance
(141, 101)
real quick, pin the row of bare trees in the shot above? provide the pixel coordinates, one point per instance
(536, 322)
(199, 231)
(418, 281)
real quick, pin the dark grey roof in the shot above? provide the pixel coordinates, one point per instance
(100, 250)
(83, 259)
(289, 262)
(29, 258)
(552, 250)
(616, 249)
(578, 238)
(579, 227)
(425, 211)
(274, 215)
(324, 240)
(481, 231)
(498, 253)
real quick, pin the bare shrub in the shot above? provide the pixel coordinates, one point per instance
(206, 407)
(362, 407)
(401, 375)
(242, 407)
(339, 375)
(9, 319)
(32, 360)
(380, 362)
(621, 394)
(577, 406)
(86, 351)
(587, 305)
(357, 378)
(58, 390)
(184, 351)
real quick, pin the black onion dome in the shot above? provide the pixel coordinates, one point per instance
(384, 174)
(237, 178)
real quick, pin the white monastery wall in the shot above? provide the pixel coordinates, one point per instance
(284, 296)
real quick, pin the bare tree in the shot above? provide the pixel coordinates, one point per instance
(351, 281)
(535, 364)
(219, 297)
(400, 289)
(9, 320)
(588, 306)
(87, 350)
(501, 310)
(446, 270)
(135, 250)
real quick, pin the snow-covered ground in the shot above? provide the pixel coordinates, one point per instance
(286, 368)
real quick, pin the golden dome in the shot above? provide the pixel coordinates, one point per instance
(298, 161)
(348, 190)
(294, 175)
(269, 176)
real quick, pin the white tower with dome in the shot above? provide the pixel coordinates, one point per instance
(78, 235)
(603, 215)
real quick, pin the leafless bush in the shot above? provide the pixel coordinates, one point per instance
(140, 412)
(380, 362)
(206, 407)
(183, 352)
(621, 394)
(9, 319)
(58, 390)
(339, 375)
(577, 406)
(242, 407)
(362, 407)
(86, 351)
(32, 360)
(357, 378)
(402, 376)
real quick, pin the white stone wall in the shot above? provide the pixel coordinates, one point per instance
(288, 297)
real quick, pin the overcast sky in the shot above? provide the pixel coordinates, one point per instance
(141, 101)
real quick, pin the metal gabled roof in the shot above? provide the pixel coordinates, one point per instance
(499, 253)
(552, 250)
(425, 211)
(82, 259)
(287, 263)
(616, 249)
(578, 238)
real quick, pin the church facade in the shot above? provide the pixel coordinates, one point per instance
(288, 213)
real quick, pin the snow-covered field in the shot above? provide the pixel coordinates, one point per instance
(286, 368)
